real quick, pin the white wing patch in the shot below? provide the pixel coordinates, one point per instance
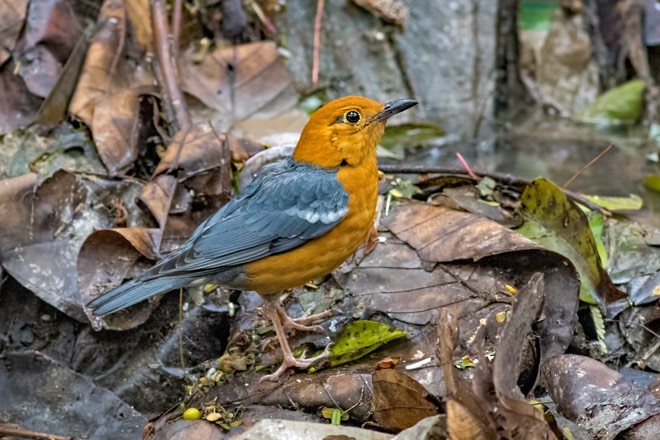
(314, 215)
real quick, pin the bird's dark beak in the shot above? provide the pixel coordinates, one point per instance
(394, 107)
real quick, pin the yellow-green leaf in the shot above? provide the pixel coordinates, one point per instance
(652, 182)
(631, 203)
(622, 105)
(556, 223)
(597, 223)
(360, 338)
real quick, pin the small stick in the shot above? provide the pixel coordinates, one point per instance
(7, 430)
(317, 41)
(176, 28)
(170, 86)
(591, 162)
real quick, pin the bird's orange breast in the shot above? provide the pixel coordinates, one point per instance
(322, 255)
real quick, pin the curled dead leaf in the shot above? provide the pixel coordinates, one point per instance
(106, 259)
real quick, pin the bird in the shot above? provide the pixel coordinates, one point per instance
(296, 221)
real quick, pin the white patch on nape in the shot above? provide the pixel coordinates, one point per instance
(314, 216)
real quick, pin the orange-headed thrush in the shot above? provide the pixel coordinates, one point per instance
(298, 220)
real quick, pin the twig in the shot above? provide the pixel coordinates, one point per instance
(7, 430)
(176, 27)
(268, 25)
(463, 162)
(174, 99)
(591, 162)
(317, 41)
(504, 178)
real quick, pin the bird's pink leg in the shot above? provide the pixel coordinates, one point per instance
(303, 324)
(288, 360)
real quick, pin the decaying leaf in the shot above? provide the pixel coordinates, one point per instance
(360, 338)
(100, 75)
(32, 381)
(466, 412)
(407, 283)
(113, 123)
(42, 237)
(12, 16)
(51, 32)
(400, 401)
(106, 259)
(518, 416)
(240, 81)
(555, 222)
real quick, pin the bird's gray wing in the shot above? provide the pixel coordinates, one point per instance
(287, 205)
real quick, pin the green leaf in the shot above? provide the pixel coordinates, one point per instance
(631, 203)
(622, 105)
(556, 223)
(360, 338)
(486, 187)
(403, 188)
(599, 325)
(597, 223)
(652, 182)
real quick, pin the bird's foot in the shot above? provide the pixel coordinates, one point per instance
(303, 323)
(291, 362)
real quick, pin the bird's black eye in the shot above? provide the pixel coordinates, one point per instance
(352, 116)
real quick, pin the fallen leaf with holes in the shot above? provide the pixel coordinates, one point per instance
(360, 338)
(555, 222)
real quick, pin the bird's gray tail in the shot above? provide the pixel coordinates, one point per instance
(133, 292)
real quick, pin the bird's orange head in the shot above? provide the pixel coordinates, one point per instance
(346, 131)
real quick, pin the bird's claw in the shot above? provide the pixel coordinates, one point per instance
(303, 323)
(289, 362)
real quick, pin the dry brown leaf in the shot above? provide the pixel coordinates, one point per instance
(400, 401)
(465, 404)
(195, 151)
(441, 235)
(100, 73)
(139, 16)
(112, 127)
(41, 239)
(17, 105)
(51, 32)
(109, 256)
(157, 196)
(462, 425)
(240, 81)
(12, 16)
